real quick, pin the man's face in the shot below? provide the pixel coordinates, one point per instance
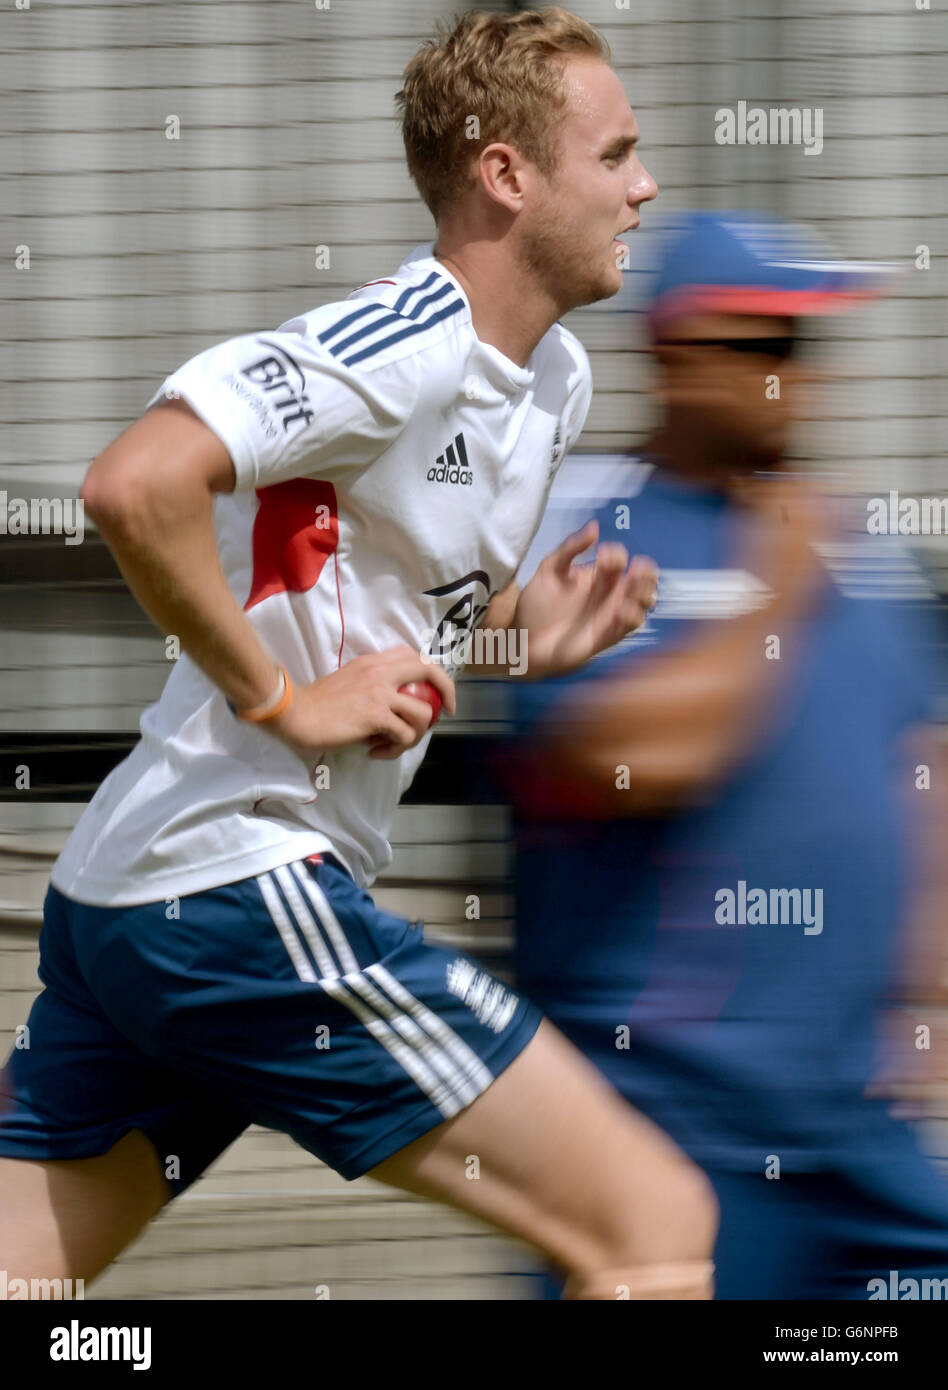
(570, 226)
(740, 397)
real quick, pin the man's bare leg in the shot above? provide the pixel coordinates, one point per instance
(69, 1219)
(567, 1165)
(564, 1163)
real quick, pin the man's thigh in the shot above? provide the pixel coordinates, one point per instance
(552, 1154)
(95, 1135)
(69, 1218)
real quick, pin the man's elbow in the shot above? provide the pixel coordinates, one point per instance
(93, 494)
(111, 496)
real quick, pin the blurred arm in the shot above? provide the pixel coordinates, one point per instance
(914, 1028)
(925, 969)
(681, 721)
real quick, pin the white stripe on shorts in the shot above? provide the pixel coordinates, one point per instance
(437, 1090)
(465, 1056)
(314, 927)
(324, 912)
(445, 1045)
(437, 1057)
(285, 927)
(328, 970)
(427, 1060)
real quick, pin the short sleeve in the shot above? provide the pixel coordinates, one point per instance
(285, 403)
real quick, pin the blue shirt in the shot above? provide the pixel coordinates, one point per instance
(742, 1039)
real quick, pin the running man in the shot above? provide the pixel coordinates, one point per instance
(282, 509)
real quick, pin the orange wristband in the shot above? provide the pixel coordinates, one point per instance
(260, 714)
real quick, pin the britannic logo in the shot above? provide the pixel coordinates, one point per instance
(281, 377)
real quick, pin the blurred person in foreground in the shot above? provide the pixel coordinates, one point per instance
(713, 819)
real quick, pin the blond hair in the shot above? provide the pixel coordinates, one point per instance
(504, 69)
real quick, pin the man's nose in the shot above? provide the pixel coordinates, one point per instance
(644, 189)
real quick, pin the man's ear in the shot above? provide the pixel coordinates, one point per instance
(502, 174)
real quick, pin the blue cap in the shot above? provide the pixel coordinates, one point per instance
(754, 263)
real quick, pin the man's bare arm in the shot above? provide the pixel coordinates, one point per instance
(151, 494)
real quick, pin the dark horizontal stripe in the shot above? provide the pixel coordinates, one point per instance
(458, 769)
(49, 560)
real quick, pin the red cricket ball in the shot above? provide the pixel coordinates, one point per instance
(424, 690)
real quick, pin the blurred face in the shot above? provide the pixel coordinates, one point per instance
(568, 227)
(719, 375)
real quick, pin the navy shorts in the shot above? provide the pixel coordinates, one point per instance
(288, 1000)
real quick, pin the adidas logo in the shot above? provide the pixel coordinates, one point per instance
(489, 1001)
(452, 466)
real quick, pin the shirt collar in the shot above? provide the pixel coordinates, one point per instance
(521, 377)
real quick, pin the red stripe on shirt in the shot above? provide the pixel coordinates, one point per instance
(295, 531)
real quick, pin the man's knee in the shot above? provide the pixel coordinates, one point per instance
(655, 1249)
(686, 1280)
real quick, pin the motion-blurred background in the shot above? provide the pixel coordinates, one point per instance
(176, 174)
